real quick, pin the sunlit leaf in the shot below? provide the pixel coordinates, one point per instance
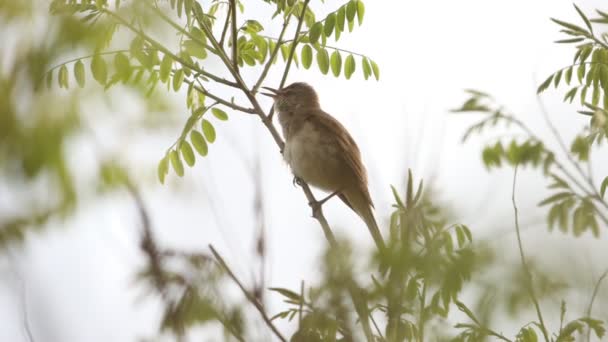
(176, 163)
(323, 61)
(220, 114)
(349, 66)
(306, 56)
(336, 63)
(79, 73)
(199, 143)
(208, 130)
(187, 153)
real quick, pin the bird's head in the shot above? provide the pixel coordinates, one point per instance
(293, 98)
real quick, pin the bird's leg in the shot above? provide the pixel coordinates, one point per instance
(316, 206)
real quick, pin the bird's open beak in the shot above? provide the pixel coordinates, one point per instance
(274, 93)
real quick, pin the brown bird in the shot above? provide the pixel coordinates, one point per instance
(321, 152)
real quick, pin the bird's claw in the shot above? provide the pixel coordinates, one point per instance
(316, 207)
(297, 181)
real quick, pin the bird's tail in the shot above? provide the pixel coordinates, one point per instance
(368, 217)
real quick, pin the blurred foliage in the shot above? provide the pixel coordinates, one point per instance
(413, 290)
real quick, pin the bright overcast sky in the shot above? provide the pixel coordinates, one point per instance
(78, 275)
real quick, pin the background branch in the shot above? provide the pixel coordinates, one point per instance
(524, 264)
(251, 298)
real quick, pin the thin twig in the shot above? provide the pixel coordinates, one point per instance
(248, 295)
(595, 291)
(235, 62)
(273, 54)
(293, 46)
(225, 29)
(524, 264)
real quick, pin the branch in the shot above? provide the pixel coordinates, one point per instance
(225, 29)
(248, 295)
(273, 54)
(234, 106)
(291, 52)
(595, 290)
(164, 50)
(295, 43)
(524, 264)
(235, 63)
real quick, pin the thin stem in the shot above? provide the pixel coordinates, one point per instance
(421, 321)
(179, 28)
(524, 264)
(85, 57)
(225, 29)
(273, 54)
(218, 99)
(295, 43)
(595, 291)
(325, 46)
(235, 63)
(247, 294)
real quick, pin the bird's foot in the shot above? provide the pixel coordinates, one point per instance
(297, 181)
(316, 205)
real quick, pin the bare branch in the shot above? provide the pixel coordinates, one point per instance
(235, 63)
(595, 291)
(225, 29)
(524, 264)
(294, 44)
(247, 294)
(273, 54)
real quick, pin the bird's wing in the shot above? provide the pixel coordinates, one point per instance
(345, 142)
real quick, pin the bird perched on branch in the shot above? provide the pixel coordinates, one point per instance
(321, 152)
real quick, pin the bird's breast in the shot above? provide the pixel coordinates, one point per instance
(314, 157)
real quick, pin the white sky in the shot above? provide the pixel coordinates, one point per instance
(78, 274)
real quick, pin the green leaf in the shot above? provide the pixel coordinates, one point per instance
(554, 198)
(580, 72)
(163, 169)
(336, 63)
(584, 18)
(165, 68)
(351, 10)
(315, 32)
(286, 293)
(569, 26)
(544, 85)
(557, 77)
(220, 114)
(79, 73)
(349, 66)
(367, 69)
(199, 143)
(195, 49)
(375, 69)
(306, 56)
(340, 19)
(603, 187)
(122, 64)
(360, 11)
(568, 75)
(187, 153)
(99, 69)
(208, 130)
(330, 21)
(323, 61)
(178, 79)
(176, 163)
(63, 77)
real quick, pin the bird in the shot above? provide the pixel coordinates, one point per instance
(321, 152)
